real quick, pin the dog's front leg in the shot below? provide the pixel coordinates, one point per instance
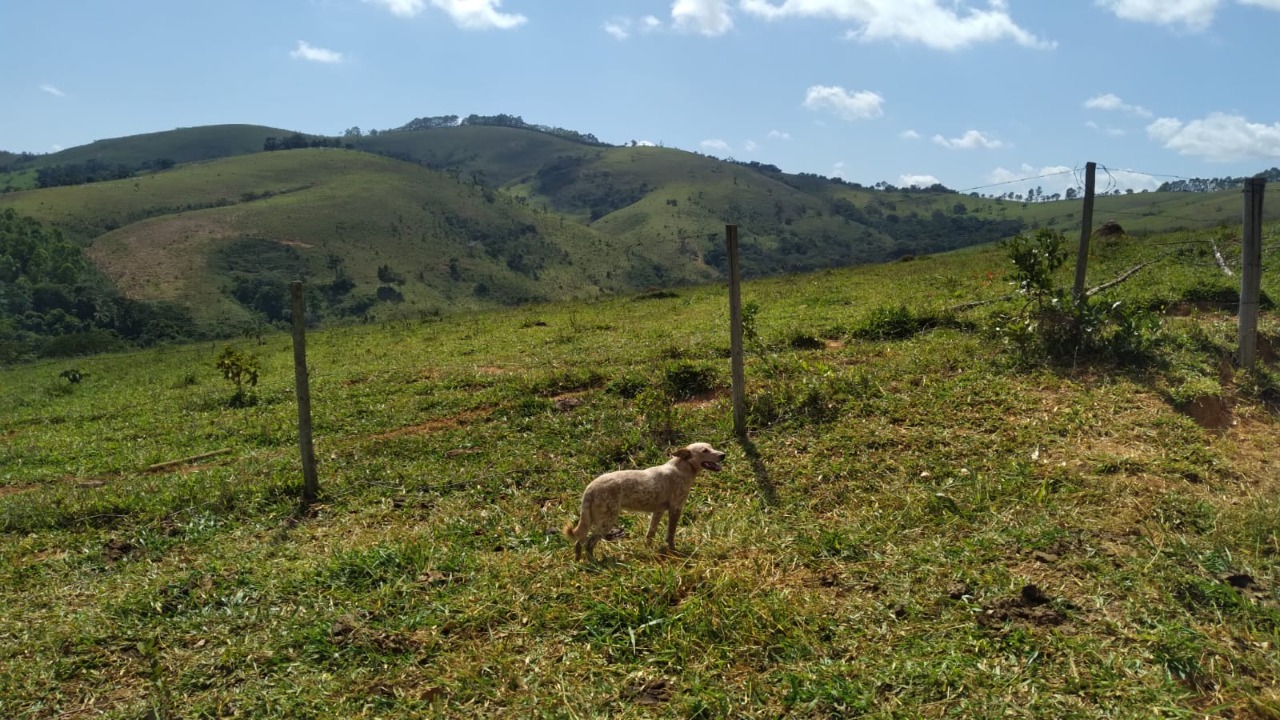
(653, 527)
(673, 518)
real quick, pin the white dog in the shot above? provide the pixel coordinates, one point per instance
(656, 490)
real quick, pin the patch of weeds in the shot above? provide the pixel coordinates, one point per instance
(833, 691)
(363, 569)
(810, 393)
(531, 406)
(189, 379)
(686, 380)
(832, 544)
(57, 389)
(1179, 650)
(892, 322)
(1178, 512)
(567, 381)
(660, 416)
(1262, 383)
(803, 340)
(627, 386)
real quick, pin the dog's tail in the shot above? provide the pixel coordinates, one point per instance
(578, 531)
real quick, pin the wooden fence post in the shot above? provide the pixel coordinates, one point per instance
(735, 333)
(1251, 269)
(310, 485)
(1086, 231)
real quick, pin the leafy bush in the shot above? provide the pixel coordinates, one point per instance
(240, 369)
(1051, 326)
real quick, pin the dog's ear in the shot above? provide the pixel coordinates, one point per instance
(683, 454)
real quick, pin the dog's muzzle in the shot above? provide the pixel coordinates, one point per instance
(711, 465)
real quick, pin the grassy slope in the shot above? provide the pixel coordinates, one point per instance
(499, 155)
(369, 210)
(182, 145)
(868, 558)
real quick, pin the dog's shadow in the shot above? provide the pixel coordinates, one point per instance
(768, 493)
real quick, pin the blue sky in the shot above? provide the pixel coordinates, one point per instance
(968, 93)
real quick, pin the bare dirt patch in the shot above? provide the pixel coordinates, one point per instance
(702, 400)
(649, 692)
(568, 401)
(1210, 412)
(1031, 606)
(435, 425)
(153, 259)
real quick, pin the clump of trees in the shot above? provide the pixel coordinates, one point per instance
(95, 171)
(298, 141)
(53, 303)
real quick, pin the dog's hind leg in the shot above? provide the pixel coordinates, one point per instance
(653, 527)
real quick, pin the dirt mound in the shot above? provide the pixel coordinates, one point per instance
(1109, 229)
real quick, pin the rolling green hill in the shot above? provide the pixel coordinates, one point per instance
(182, 145)
(187, 234)
(426, 222)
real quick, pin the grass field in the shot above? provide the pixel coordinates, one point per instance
(924, 526)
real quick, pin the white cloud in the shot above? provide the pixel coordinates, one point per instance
(618, 28)
(466, 14)
(922, 181)
(837, 170)
(1193, 14)
(646, 143)
(306, 51)
(971, 140)
(1219, 137)
(706, 17)
(402, 8)
(1110, 101)
(750, 146)
(860, 105)
(940, 24)
(623, 27)
(1113, 132)
(779, 135)
(715, 145)
(57, 148)
(909, 135)
(52, 90)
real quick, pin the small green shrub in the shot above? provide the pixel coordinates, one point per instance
(240, 369)
(1051, 326)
